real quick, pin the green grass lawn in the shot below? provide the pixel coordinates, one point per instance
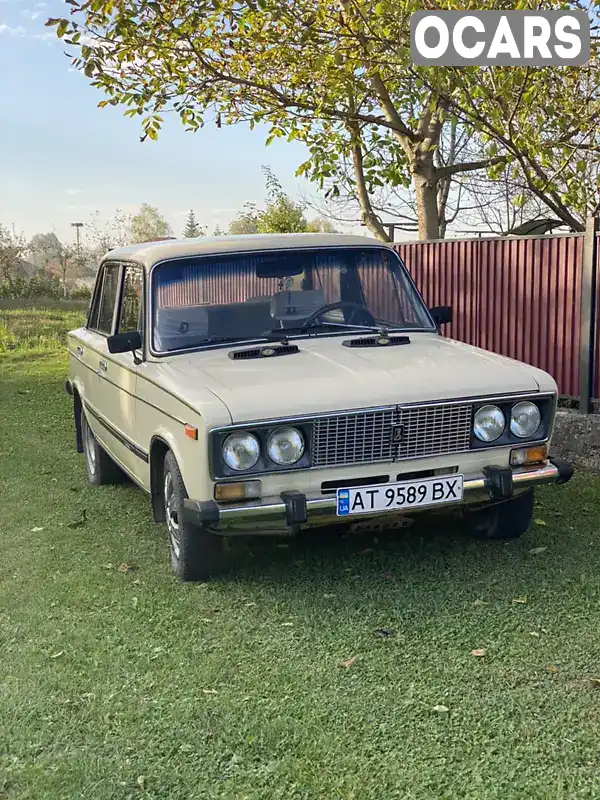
(116, 681)
(40, 326)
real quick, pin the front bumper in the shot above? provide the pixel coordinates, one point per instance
(293, 510)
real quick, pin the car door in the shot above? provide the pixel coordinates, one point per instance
(83, 347)
(118, 376)
(97, 400)
(93, 346)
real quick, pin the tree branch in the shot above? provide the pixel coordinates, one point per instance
(470, 166)
(370, 219)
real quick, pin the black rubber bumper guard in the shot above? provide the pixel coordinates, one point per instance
(499, 482)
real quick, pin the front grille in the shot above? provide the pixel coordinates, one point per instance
(363, 437)
(434, 430)
(368, 436)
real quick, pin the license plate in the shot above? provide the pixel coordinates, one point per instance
(394, 496)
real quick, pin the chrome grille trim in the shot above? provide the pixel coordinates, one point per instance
(367, 436)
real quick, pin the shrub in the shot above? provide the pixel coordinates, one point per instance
(81, 293)
(7, 340)
(22, 289)
(42, 286)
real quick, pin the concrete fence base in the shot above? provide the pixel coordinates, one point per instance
(577, 438)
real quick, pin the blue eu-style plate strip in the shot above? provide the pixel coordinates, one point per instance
(343, 502)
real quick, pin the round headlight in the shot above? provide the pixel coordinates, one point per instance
(525, 419)
(489, 423)
(285, 446)
(241, 450)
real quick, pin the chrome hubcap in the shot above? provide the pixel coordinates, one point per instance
(90, 449)
(172, 514)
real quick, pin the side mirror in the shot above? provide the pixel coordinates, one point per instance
(124, 342)
(441, 314)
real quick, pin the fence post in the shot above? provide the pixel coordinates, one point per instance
(587, 331)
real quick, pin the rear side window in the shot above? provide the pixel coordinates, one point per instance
(103, 309)
(131, 302)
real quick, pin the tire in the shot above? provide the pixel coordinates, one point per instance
(101, 469)
(196, 554)
(508, 519)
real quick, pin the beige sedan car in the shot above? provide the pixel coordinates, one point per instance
(267, 384)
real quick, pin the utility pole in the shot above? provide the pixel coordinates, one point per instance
(78, 226)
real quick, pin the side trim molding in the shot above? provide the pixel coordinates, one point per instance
(137, 451)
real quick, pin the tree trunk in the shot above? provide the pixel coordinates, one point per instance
(427, 207)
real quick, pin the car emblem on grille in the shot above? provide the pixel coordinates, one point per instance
(397, 433)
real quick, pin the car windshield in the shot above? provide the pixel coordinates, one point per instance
(208, 301)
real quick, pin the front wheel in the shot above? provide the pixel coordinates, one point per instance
(196, 554)
(506, 520)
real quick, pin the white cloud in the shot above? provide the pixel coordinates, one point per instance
(8, 30)
(44, 37)
(32, 15)
(40, 5)
(73, 191)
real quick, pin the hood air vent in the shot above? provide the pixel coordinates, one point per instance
(376, 341)
(263, 352)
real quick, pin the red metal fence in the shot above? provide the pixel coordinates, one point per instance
(530, 298)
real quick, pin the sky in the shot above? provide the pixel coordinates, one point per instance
(62, 158)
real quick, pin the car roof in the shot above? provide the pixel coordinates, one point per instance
(149, 253)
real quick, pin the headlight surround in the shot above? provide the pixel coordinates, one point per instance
(241, 451)
(285, 446)
(489, 423)
(525, 419)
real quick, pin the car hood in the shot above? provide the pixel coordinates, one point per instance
(326, 376)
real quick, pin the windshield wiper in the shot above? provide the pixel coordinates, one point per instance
(282, 333)
(221, 340)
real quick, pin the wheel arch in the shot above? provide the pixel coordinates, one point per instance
(159, 448)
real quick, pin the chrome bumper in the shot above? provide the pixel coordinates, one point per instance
(293, 510)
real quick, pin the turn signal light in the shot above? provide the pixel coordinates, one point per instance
(246, 490)
(191, 432)
(525, 456)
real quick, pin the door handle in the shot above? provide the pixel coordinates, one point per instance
(102, 366)
(79, 350)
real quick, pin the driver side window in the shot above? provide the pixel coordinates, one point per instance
(131, 300)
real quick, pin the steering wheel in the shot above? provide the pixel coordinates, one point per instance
(334, 307)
